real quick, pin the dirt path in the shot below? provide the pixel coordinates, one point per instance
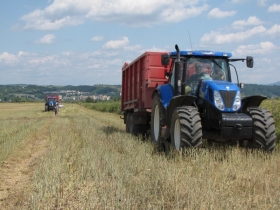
(17, 171)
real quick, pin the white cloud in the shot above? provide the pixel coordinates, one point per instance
(215, 37)
(116, 44)
(262, 48)
(262, 2)
(238, 1)
(274, 8)
(8, 58)
(24, 54)
(156, 49)
(16, 27)
(67, 53)
(274, 30)
(63, 13)
(251, 21)
(47, 39)
(175, 13)
(133, 48)
(114, 62)
(97, 38)
(39, 20)
(94, 66)
(67, 68)
(217, 13)
(42, 60)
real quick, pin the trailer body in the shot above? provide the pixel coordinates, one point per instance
(139, 80)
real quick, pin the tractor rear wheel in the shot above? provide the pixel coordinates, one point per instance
(46, 108)
(158, 120)
(186, 129)
(264, 136)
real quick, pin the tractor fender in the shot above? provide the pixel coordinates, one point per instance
(251, 101)
(165, 93)
(177, 101)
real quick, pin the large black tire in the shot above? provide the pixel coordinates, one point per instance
(133, 128)
(158, 120)
(186, 129)
(46, 108)
(127, 125)
(264, 136)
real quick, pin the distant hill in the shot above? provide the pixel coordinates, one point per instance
(276, 83)
(36, 92)
(270, 91)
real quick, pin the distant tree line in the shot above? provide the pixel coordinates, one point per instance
(37, 93)
(270, 91)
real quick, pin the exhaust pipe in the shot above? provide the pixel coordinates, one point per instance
(178, 52)
(177, 85)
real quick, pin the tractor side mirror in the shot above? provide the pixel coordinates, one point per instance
(249, 61)
(164, 59)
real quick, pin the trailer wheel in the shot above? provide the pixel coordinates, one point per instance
(186, 129)
(130, 124)
(264, 136)
(158, 120)
(133, 128)
(127, 125)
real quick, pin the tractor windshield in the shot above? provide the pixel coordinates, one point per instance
(206, 68)
(51, 99)
(197, 68)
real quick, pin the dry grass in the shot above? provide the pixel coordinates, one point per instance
(91, 163)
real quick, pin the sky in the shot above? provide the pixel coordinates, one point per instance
(83, 42)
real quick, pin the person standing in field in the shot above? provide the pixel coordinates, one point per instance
(56, 108)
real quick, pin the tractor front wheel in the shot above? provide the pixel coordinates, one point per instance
(186, 129)
(264, 136)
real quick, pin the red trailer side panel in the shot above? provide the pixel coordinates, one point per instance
(140, 78)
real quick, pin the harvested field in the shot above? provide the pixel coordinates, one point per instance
(83, 159)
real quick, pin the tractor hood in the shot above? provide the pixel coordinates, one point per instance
(224, 96)
(51, 103)
(220, 85)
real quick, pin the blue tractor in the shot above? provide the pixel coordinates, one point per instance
(201, 102)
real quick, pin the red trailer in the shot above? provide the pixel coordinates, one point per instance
(139, 79)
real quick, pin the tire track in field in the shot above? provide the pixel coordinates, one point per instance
(17, 170)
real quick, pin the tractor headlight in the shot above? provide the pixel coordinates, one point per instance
(237, 101)
(218, 100)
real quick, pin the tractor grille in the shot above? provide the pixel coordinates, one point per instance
(228, 97)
